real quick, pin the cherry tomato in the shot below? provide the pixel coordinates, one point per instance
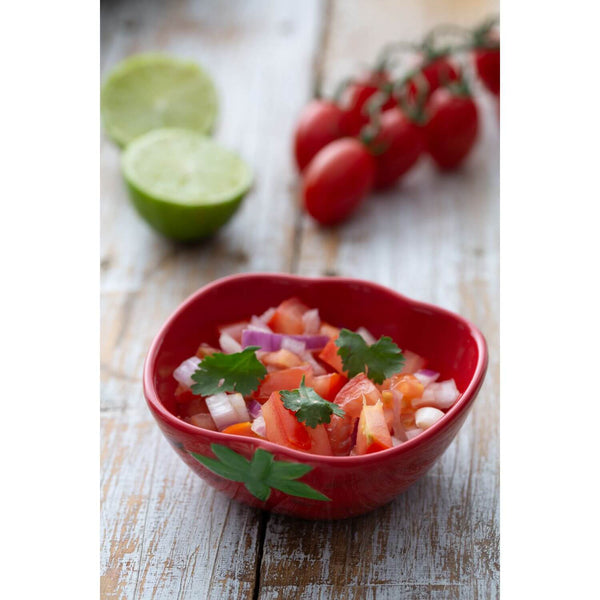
(487, 63)
(438, 72)
(337, 180)
(355, 97)
(397, 147)
(452, 127)
(320, 123)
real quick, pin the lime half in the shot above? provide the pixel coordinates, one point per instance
(151, 91)
(183, 183)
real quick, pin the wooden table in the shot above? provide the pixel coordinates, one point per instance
(165, 534)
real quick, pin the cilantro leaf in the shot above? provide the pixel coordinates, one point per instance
(261, 473)
(379, 360)
(239, 372)
(309, 407)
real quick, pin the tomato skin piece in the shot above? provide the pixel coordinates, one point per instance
(286, 379)
(355, 98)
(330, 355)
(373, 434)
(337, 180)
(452, 128)
(398, 146)
(327, 386)
(358, 390)
(487, 64)
(287, 318)
(437, 72)
(319, 124)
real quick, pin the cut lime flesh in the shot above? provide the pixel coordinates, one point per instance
(184, 184)
(152, 91)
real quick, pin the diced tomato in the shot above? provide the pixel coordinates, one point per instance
(340, 430)
(329, 330)
(244, 428)
(205, 350)
(319, 440)
(287, 318)
(203, 420)
(282, 359)
(412, 362)
(235, 330)
(286, 379)
(330, 356)
(281, 425)
(327, 386)
(191, 404)
(408, 385)
(183, 393)
(387, 399)
(360, 388)
(373, 434)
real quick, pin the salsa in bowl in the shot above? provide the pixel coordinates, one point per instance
(315, 397)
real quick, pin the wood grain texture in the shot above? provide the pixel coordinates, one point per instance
(165, 534)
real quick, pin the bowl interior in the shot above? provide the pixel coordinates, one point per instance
(445, 340)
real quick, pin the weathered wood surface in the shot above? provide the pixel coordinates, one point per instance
(165, 534)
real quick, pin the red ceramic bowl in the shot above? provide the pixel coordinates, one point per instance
(354, 484)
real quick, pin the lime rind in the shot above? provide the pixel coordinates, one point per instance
(184, 184)
(153, 90)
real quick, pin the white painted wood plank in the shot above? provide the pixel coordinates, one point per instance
(165, 534)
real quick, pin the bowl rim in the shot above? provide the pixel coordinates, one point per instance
(451, 415)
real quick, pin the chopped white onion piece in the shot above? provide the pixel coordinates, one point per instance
(439, 395)
(228, 344)
(426, 376)
(366, 335)
(239, 405)
(396, 441)
(183, 373)
(294, 346)
(310, 359)
(259, 325)
(259, 427)
(222, 411)
(311, 321)
(425, 417)
(266, 316)
(413, 433)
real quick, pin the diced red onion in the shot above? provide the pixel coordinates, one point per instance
(294, 346)
(311, 321)
(222, 411)
(438, 395)
(183, 373)
(366, 335)
(413, 433)
(228, 344)
(259, 427)
(254, 409)
(272, 341)
(426, 376)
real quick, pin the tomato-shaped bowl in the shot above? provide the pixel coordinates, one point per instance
(292, 482)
